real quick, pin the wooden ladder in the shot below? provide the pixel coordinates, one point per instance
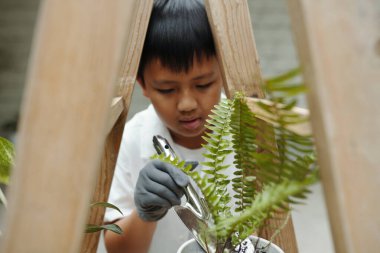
(67, 124)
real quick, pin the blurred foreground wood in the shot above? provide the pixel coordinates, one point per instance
(77, 52)
(339, 47)
(138, 13)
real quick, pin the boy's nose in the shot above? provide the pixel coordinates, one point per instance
(187, 102)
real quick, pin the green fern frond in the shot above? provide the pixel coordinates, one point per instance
(280, 79)
(217, 148)
(7, 156)
(243, 130)
(175, 162)
(271, 199)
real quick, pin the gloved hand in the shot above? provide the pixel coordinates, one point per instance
(158, 188)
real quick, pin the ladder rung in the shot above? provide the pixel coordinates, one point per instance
(303, 128)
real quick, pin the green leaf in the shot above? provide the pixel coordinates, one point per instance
(285, 76)
(7, 155)
(111, 227)
(106, 204)
(289, 90)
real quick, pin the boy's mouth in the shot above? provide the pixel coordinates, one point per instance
(191, 124)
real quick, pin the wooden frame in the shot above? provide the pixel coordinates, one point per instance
(77, 53)
(338, 44)
(138, 13)
(71, 82)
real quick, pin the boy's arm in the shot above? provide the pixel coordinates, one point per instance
(158, 188)
(136, 238)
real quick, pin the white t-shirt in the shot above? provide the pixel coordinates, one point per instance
(135, 151)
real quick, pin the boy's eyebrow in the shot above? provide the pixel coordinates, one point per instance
(210, 74)
(206, 75)
(164, 82)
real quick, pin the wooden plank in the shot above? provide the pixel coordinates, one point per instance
(103, 185)
(230, 22)
(233, 34)
(139, 13)
(117, 108)
(107, 165)
(134, 49)
(303, 128)
(76, 57)
(338, 43)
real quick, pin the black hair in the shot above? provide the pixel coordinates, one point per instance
(178, 30)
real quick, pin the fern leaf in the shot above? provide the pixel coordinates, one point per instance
(218, 147)
(265, 203)
(243, 139)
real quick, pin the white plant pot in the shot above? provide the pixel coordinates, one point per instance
(191, 246)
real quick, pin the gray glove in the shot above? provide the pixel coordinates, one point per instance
(158, 188)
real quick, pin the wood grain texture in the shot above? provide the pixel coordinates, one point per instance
(338, 46)
(286, 238)
(117, 108)
(103, 184)
(77, 53)
(139, 14)
(279, 229)
(230, 23)
(135, 44)
(233, 34)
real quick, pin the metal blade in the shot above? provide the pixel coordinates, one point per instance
(198, 227)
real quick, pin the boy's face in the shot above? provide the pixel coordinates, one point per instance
(184, 100)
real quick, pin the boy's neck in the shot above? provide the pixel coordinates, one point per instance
(188, 142)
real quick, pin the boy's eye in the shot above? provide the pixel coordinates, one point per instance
(165, 91)
(204, 86)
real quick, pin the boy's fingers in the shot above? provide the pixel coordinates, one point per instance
(179, 177)
(159, 195)
(164, 179)
(193, 164)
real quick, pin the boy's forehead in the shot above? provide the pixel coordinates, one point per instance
(200, 67)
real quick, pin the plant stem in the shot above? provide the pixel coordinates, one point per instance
(281, 227)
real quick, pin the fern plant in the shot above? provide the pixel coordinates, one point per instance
(273, 164)
(7, 154)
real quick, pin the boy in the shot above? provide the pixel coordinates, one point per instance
(180, 75)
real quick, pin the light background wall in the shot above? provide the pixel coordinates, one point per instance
(277, 54)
